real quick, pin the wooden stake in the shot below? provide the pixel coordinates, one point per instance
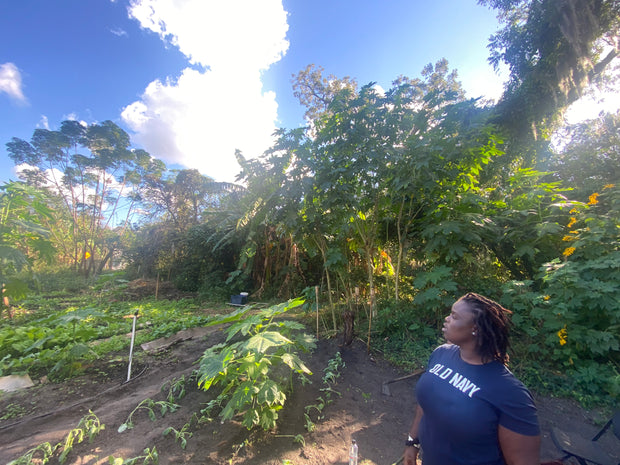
(372, 304)
(316, 291)
(157, 286)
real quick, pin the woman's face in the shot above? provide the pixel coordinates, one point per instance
(459, 324)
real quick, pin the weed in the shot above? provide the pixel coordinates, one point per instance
(13, 411)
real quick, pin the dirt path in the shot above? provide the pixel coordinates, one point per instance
(379, 423)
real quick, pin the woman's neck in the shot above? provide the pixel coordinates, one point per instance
(470, 354)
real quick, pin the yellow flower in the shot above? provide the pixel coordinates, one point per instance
(572, 221)
(609, 186)
(573, 232)
(547, 297)
(562, 335)
(568, 238)
(574, 210)
(592, 199)
(568, 251)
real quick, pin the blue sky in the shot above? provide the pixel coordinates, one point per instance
(193, 80)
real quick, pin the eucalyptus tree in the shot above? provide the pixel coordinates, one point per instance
(95, 177)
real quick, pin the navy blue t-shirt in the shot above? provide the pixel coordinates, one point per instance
(463, 405)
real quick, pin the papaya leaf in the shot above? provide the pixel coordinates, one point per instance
(295, 363)
(234, 316)
(264, 341)
(243, 326)
(270, 393)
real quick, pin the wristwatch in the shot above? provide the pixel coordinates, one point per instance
(412, 442)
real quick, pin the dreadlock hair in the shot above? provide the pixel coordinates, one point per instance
(492, 323)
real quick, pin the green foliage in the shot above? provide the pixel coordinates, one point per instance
(247, 370)
(573, 318)
(23, 240)
(59, 334)
(553, 50)
(409, 350)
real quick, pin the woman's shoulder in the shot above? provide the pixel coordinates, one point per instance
(447, 347)
(445, 350)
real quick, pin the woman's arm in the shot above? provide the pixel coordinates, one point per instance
(519, 449)
(411, 453)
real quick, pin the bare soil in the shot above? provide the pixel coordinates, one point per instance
(378, 422)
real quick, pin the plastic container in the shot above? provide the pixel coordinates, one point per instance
(238, 299)
(353, 453)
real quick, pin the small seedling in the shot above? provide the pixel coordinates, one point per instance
(148, 405)
(88, 426)
(150, 456)
(181, 435)
(45, 452)
(299, 439)
(176, 388)
(310, 425)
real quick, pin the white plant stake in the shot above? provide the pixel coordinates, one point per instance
(133, 335)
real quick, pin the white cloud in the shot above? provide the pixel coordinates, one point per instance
(118, 32)
(199, 119)
(74, 117)
(11, 82)
(43, 122)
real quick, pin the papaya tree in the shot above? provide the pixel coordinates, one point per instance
(23, 240)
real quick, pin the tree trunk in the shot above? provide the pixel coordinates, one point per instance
(104, 261)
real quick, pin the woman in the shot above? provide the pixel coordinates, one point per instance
(471, 409)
